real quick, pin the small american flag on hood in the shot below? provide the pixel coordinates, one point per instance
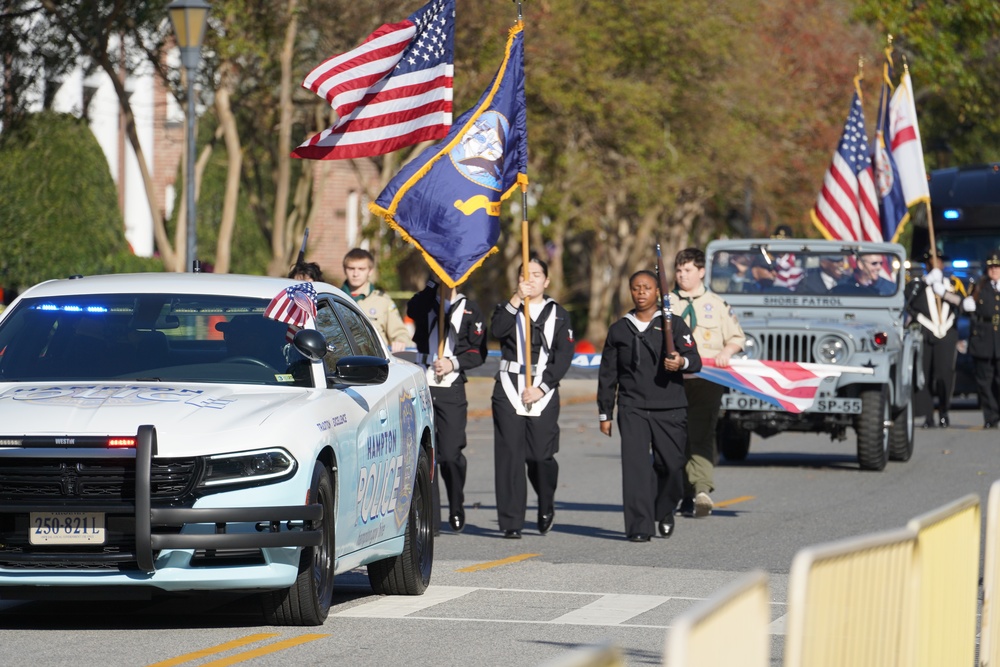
(294, 305)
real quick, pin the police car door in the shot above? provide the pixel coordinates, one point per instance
(371, 483)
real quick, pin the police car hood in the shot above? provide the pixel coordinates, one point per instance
(190, 419)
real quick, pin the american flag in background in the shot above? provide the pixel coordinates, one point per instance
(847, 206)
(786, 385)
(294, 305)
(392, 91)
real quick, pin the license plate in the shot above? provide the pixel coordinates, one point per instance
(842, 406)
(66, 528)
(832, 405)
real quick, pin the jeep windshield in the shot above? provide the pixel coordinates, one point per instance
(148, 337)
(759, 269)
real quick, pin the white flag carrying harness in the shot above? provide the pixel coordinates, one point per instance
(455, 312)
(938, 326)
(548, 332)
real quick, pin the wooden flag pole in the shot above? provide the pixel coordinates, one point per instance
(661, 283)
(442, 327)
(526, 301)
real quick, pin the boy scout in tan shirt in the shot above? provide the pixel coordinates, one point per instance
(719, 336)
(380, 309)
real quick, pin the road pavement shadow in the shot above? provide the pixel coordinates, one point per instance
(795, 460)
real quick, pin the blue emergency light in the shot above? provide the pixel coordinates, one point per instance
(960, 264)
(952, 214)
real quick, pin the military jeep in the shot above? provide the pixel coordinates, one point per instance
(822, 302)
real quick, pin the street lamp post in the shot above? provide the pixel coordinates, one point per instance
(189, 18)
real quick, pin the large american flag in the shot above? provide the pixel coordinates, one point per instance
(786, 385)
(392, 91)
(847, 205)
(295, 305)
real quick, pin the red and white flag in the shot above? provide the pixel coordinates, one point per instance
(294, 305)
(906, 148)
(786, 385)
(847, 206)
(392, 91)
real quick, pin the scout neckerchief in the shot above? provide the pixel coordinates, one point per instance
(688, 314)
(543, 322)
(358, 296)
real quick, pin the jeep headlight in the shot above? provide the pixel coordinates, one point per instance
(831, 350)
(267, 465)
(750, 348)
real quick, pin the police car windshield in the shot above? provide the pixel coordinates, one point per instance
(840, 273)
(148, 337)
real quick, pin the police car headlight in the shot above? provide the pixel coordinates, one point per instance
(264, 466)
(831, 350)
(750, 348)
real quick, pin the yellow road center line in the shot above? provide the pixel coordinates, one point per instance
(221, 648)
(497, 563)
(264, 650)
(733, 501)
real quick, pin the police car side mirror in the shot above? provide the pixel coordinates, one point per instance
(361, 370)
(310, 344)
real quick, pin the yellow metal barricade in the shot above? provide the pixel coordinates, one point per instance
(849, 602)
(948, 542)
(729, 628)
(989, 632)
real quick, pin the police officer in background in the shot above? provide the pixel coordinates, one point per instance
(983, 306)
(933, 303)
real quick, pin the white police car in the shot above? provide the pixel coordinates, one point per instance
(182, 432)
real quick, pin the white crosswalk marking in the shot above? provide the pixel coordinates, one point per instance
(607, 610)
(399, 606)
(611, 610)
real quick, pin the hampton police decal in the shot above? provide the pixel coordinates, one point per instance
(378, 483)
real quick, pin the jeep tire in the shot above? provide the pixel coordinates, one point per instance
(901, 434)
(872, 428)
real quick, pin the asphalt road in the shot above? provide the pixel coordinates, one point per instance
(528, 602)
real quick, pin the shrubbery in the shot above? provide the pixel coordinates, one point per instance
(58, 205)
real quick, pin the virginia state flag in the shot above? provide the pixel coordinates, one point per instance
(446, 201)
(893, 212)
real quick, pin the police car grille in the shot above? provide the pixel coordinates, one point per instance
(787, 347)
(113, 480)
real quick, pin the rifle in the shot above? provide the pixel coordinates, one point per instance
(661, 281)
(302, 249)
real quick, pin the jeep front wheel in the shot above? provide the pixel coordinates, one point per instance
(872, 429)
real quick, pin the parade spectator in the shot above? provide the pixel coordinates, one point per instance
(464, 349)
(648, 386)
(380, 309)
(983, 306)
(719, 336)
(526, 418)
(932, 301)
(306, 272)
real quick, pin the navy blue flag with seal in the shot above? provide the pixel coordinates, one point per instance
(446, 201)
